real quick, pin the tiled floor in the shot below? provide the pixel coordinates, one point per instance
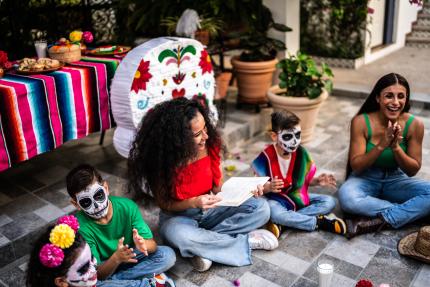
(33, 194)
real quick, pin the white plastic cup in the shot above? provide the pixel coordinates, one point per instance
(41, 46)
(325, 270)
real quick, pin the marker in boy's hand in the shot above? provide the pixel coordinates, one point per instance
(139, 242)
(123, 253)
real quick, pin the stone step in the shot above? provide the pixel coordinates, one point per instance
(419, 34)
(242, 124)
(417, 42)
(423, 21)
(359, 91)
(423, 15)
(419, 28)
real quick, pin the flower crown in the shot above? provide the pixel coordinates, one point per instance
(61, 237)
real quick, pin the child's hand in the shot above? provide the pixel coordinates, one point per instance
(275, 185)
(139, 242)
(327, 180)
(206, 201)
(123, 253)
(259, 191)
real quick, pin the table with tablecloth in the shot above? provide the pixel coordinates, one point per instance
(40, 112)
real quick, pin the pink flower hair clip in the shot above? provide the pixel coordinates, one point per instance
(61, 237)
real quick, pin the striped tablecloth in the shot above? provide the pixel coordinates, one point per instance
(38, 113)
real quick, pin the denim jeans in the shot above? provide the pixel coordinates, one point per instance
(305, 218)
(219, 234)
(133, 274)
(391, 193)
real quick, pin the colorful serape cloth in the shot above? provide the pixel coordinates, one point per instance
(294, 194)
(40, 112)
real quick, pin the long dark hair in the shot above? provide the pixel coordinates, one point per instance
(40, 275)
(165, 143)
(371, 105)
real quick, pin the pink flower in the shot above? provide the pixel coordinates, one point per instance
(87, 36)
(51, 256)
(70, 220)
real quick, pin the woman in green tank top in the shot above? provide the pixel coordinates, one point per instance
(385, 153)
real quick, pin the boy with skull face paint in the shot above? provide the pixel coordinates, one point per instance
(112, 226)
(292, 171)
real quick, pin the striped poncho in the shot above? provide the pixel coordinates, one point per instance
(294, 194)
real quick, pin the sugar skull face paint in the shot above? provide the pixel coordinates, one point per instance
(93, 201)
(83, 271)
(289, 140)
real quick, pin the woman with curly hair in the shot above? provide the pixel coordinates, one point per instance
(385, 153)
(176, 155)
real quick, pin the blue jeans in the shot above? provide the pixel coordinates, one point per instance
(305, 218)
(219, 234)
(133, 274)
(391, 193)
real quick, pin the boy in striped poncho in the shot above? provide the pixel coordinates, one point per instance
(292, 171)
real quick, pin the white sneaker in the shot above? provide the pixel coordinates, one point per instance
(262, 239)
(201, 264)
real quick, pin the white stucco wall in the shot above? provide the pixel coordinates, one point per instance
(405, 15)
(286, 12)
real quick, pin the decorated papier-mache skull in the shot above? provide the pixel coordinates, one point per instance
(158, 70)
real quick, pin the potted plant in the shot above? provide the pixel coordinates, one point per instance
(254, 68)
(303, 87)
(209, 27)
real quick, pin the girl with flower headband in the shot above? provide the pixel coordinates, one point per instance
(61, 257)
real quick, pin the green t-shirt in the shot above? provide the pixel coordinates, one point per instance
(103, 238)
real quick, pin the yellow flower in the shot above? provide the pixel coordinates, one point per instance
(75, 36)
(62, 236)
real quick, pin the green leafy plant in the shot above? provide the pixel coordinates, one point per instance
(333, 28)
(301, 77)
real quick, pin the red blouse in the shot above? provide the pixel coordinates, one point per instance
(198, 177)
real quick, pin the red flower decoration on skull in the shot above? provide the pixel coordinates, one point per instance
(141, 77)
(205, 62)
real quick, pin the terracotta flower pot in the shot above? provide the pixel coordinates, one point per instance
(222, 82)
(253, 80)
(306, 109)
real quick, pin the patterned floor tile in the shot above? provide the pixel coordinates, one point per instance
(4, 219)
(51, 175)
(387, 267)
(303, 282)
(423, 277)
(216, 281)
(272, 272)
(49, 212)
(356, 251)
(284, 261)
(252, 280)
(303, 245)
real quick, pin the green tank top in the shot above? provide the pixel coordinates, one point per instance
(386, 158)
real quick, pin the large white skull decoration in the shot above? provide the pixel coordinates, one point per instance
(158, 70)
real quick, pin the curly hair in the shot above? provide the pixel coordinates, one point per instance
(165, 143)
(40, 275)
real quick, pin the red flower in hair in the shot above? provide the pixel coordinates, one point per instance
(205, 62)
(141, 77)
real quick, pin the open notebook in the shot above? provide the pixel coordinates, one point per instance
(237, 190)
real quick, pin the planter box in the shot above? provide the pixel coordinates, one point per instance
(339, 62)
